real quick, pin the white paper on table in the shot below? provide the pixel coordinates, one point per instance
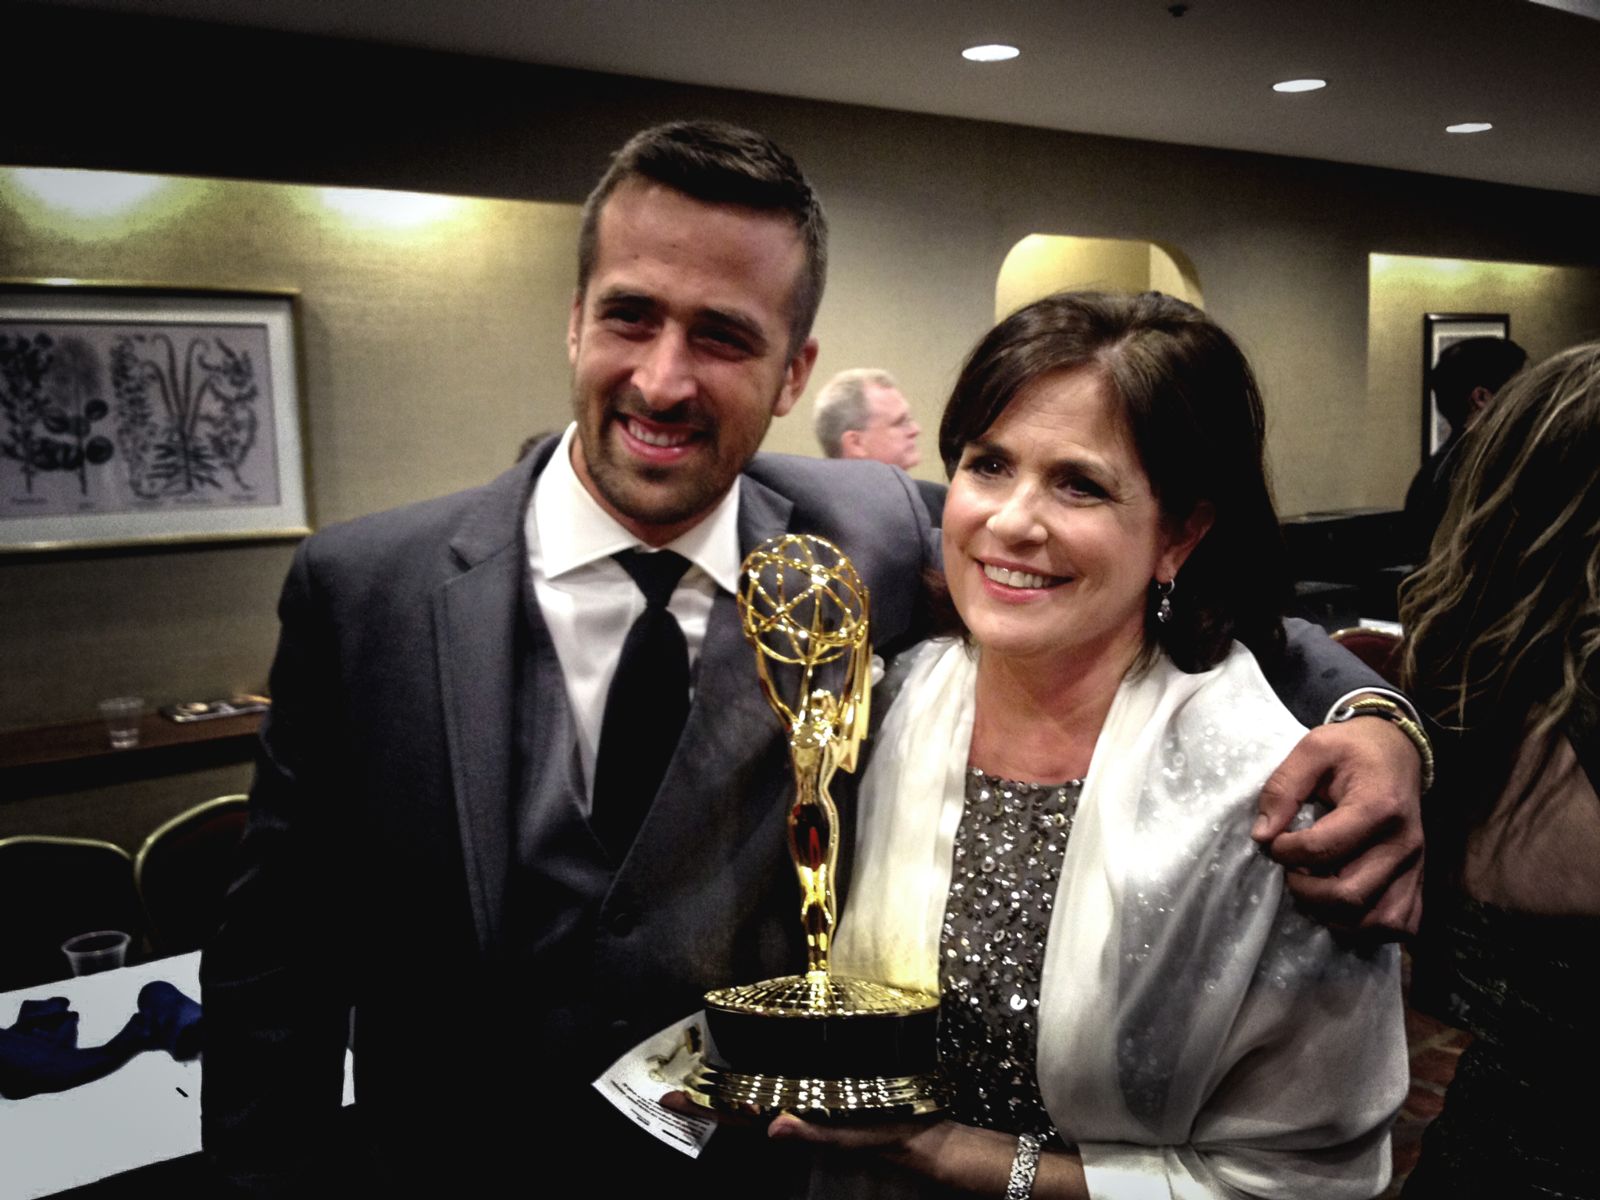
(661, 1063)
(146, 1111)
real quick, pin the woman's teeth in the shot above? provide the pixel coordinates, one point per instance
(1017, 579)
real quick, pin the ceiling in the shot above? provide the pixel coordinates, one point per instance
(1398, 70)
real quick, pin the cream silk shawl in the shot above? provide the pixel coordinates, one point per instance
(1198, 1037)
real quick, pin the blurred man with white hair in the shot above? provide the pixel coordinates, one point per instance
(861, 413)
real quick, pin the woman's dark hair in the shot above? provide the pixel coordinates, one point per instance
(1192, 407)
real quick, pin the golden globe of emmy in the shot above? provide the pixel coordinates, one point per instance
(817, 1044)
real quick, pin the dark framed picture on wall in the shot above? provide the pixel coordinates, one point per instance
(146, 415)
(1440, 330)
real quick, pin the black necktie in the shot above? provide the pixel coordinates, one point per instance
(646, 706)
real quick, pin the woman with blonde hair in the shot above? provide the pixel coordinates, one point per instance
(1503, 651)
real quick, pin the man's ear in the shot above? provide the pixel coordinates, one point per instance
(574, 323)
(795, 373)
(850, 444)
(1478, 400)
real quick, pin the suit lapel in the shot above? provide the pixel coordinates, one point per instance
(728, 700)
(762, 514)
(475, 623)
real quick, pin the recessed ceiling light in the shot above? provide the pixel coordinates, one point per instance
(993, 52)
(1469, 127)
(1300, 85)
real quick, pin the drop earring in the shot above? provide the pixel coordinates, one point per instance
(1164, 589)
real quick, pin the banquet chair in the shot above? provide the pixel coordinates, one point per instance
(1378, 648)
(182, 872)
(52, 888)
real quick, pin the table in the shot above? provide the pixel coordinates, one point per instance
(50, 760)
(147, 1111)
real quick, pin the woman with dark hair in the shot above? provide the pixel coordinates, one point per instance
(1503, 651)
(1054, 827)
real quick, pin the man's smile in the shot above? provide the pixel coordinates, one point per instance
(658, 435)
(658, 442)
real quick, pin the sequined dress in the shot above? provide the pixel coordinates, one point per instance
(1006, 867)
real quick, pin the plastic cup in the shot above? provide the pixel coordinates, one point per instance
(91, 953)
(122, 715)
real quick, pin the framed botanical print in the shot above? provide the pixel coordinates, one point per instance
(145, 415)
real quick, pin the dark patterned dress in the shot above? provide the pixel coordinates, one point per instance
(1007, 866)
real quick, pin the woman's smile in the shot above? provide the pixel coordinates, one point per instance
(1019, 578)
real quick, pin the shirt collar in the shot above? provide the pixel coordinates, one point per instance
(573, 531)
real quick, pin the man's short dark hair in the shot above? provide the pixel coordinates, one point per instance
(1480, 362)
(717, 163)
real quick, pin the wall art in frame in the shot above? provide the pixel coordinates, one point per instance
(1440, 330)
(146, 415)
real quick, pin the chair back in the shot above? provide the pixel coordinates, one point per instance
(53, 888)
(183, 870)
(1378, 648)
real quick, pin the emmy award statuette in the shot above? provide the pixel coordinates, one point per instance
(817, 1044)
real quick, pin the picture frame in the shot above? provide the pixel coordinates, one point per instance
(146, 415)
(1440, 330)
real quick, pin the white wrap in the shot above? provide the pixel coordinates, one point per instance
(1198, 1036)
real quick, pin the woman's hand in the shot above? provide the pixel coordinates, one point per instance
(917, 1145)
(908, 1143)
(974, 1161)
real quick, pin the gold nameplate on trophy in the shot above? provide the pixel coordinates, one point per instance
(815, 1044)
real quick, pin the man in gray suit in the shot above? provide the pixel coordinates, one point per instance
(434, 843)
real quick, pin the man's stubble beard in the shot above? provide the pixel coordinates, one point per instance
(697, 494)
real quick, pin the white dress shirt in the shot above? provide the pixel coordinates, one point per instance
(589, 602)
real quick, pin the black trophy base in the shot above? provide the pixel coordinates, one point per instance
(820, 1047)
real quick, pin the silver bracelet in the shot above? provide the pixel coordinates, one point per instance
(1023, 1167)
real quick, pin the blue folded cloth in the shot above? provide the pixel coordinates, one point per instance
(40, 1053)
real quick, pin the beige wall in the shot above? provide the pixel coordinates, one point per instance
(1550, 308)
(428, 350)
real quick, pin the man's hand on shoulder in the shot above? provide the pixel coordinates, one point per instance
(1359, 867)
